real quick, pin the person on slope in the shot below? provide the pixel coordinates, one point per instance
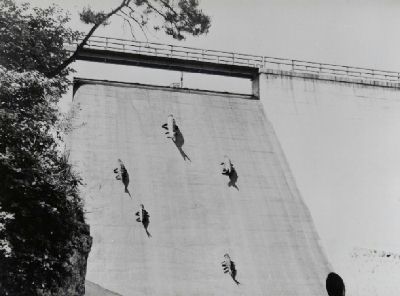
(171, 127)
(227, 166)
(229, 267)
(144, 217)
(122, 174)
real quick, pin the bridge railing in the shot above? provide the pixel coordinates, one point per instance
(239, 59)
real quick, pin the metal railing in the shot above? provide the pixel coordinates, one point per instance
(239, 59)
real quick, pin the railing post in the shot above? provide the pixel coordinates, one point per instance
(172, 49)
(292, 65)
(106, 44)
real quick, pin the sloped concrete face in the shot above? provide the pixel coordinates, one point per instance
(342, 143)
(92, 289)
(195, 216)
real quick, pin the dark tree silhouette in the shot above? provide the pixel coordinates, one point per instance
(41, 214)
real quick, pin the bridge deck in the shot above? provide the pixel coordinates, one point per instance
(182, 58)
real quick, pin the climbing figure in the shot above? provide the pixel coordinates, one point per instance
(229, 267)
(175, 134)
(122, 174)
(171, 127)
(229, 170)
(226, 166)
(144, 217)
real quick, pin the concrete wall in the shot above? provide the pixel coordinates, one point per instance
(195, 217)
(342, 142)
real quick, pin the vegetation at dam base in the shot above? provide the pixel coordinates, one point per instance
(44, 241)
(42, 230)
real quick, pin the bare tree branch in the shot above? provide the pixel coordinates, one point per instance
(162, 14)
(155, 9)
(169, 6)
(137, 22)
(125, 18)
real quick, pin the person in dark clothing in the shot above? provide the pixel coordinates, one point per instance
(122, 174)
(229, 267)
(144, 217)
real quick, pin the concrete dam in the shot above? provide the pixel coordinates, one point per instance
(196, 214)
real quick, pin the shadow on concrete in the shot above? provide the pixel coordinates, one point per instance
(92, 289)
(335, 285)
(233, 177)
(127, 191)
(179, 141)
(234, 273)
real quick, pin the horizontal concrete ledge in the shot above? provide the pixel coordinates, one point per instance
(193, 66)
(334, 78)
(78, 81)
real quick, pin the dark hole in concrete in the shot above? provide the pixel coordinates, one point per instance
(335, 285)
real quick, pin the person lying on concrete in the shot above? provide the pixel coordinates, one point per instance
(227, 166)
(144, 217)
(171, 127)
(122, 174)
(229, 267)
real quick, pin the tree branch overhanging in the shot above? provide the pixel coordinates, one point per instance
(186, 18)
(132, 17)
(80, 46)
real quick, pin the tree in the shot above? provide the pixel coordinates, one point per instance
(41, 213)
(42, 221)
(176, 18)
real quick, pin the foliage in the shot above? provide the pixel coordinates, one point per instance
(88, 16)
(32, 39)
(40, 210)
(176, 18)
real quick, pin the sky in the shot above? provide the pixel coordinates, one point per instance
(355, 33)
(345, 32)
(361, 33)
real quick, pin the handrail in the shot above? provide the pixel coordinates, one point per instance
(239, 59)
